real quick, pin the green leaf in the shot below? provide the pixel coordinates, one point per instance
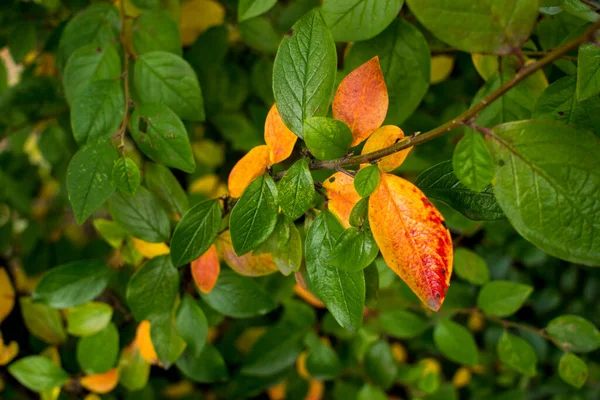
(380, 364)
(239, 130)
(516, 353)
(239, 296)
(152, 290)
(559, 103)
(580, 10)
(288, 255)
(161, 135)
(366, 180)
(502, 298)
(156, 31)
(359, 19)
(98, 111)
(260, 34)
(196, 231)
(126, 176)
(110, 231)
(141, 215)
(304, 72)
(472, 162)
(327, 138)
(169, 345)
(371, 286)
(43, 322)
(470, 266)
(88, 64)
(296, 190)
(254, 216)
(133, 369)
(161, 77)
(72, 284)
(163, 184)
(405, 62)
(38, 373)
(253, 8)
(573, 370)
(192, 325)
(588, 75)
(207, 367)
(354, 250)
(455, 342)
(89, 178)
(439, 182)
(369, 392)
(323, 362)
(478, 26)
(575, 333)
(88, 318)
(342, 292)
(402, 324)
(98, 353)
(536, 186)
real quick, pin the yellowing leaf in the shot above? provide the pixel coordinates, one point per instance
(197, 16)
(341, 195)
(7, 294)
(208, 185)
(179, 389)
(485, 64)
(308, 297)
(315, 390)
(278, 137)
(101, 383)
(7, 353)
(277, 392)
(301, 365)
(24, 283)
(92, 396)
(361, 100)
(441, 68)
(144, 343)
(248, 264)
(248, 338)
(150, 250)
(209, 152)
(247, 169)
(412, 237)
(205, 270)
(385, 137)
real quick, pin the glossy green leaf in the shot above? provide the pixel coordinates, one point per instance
(88, 318)
(163, 184)
(98, 353)
(354, 250)
(141, 215)
(380, 364)
(367, 180)
(192, 325)
(304, 72)
(470, 266)
(152, 290)
(296, 190)
(342, 292)
(196, 231)
(161, 135)
(169, 345)
(126, 176)
(477, 25)
(472, 162)
(207, 367)
(588, 75)
(43, 322)
(573, 370)
(359, 19)
(89, 178)
(575, 333)
(502, 298)
(359, 213)
(288, 255)
(402, 324)
(254, 216)
(253, 8)
(98, 111)
(439, 182)
(156, 30)
(161, 77)
(327, 138)
(517, 353)
(72, 284)
(455, 342)
(537, 189)
(38, 373)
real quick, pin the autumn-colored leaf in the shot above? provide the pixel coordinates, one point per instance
(277, 392)
(441, 68)
(247, 169)
(278, 137)
(341, 195)
(248, 264)
(208, 185)
(7, 295)
(7, 352)
(308, 297)
(412, 237)
(197, 16)
(361, 100)
(385, 137)
(205, 270)
(144, 343)
(315, 390)
(101, 383)
(150, 250)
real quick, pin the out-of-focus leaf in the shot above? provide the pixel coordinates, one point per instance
(502, 298)
(517, 354)
(98, 353)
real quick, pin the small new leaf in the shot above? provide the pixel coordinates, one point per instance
(366, 180)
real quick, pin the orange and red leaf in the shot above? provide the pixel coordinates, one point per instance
(101, 383)
(247, 169)
(384, 137)
(206, 269)
(144, 343)
(278, 137)
(341, 195)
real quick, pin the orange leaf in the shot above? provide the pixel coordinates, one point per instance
(248, 264)
(342, 196)
(361, 100)
(278, 137)
(247, 169)
(205, 270)
(385, 137)
(308, 296)
(412, 237)
(144, 343)
(315, 390)
(7, 294)
(101, 383)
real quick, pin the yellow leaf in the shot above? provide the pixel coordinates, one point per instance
(178, 390)
(7, 294)
(248, 264)
(301, 365)
(248, 168)
(342, 196)
(441, 68)
(431, 365)
(485, 64)
(144, 343)
(7, 353)
(315, 390)
(399, 353)
(101, 383)
(197, 16)
(150, 250)
(208, 185)
(278, 137)
(385, 137)
(461, 378)
(209, 152)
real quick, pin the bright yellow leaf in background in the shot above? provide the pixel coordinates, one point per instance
(7, 294)
(441, 68)
(197, 16)
(150, 250)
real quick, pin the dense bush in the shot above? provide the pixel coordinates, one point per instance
(217, 199)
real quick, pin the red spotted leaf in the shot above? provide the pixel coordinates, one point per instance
(341, 195)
